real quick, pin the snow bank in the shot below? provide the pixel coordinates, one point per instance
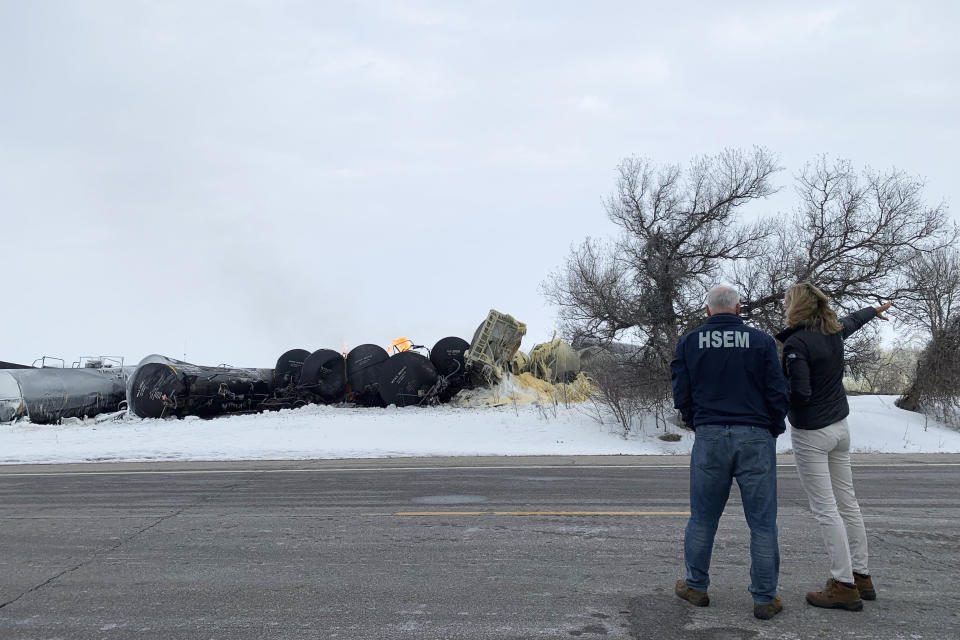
(327, 432)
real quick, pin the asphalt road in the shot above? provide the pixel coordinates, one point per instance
(445, 548)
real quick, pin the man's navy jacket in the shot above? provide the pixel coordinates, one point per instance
(727, 373)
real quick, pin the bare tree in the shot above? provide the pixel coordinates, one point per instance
(936, 385)
(930, 303)
(860, 236)
(853, 235)
(929, 296)
(679, 229)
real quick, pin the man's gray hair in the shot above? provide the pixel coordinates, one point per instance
(723, 299)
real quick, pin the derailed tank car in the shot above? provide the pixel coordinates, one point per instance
(301, 378)
(554, 361)
(162, 387)
(406, 378)
(48, 395)
(447, 357)
(494, 344)
(286, 373)
(323, 377)
(363, 373)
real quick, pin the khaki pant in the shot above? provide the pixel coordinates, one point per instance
(823, 462)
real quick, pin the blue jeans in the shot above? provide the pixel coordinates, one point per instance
(720, 454)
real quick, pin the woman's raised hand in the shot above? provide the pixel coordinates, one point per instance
(883, 308)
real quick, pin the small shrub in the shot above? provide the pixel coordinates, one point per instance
(631, 385)
(935, 390)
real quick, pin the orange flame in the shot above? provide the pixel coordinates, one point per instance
(400, 344)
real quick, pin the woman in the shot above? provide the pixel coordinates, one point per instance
(813, 363)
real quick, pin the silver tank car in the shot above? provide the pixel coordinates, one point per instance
(48, 395)
(163, 387)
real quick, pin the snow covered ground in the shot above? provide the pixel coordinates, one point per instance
(327, 432)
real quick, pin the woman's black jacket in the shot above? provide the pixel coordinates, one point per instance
(813, 363)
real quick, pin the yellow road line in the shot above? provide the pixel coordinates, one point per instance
(441, 513)
(591, 513)
(539, 513)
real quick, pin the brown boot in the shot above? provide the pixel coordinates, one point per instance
(865, 586)
(836, 595)
(699, 598)
(767, 611)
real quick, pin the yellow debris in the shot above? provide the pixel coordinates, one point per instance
(579, 390)
(554, 360)
(525, 389)
(520, 363)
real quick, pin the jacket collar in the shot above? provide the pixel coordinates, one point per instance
(789, 331)
(724, 318)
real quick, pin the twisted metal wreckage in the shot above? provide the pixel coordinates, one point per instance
(368, 375)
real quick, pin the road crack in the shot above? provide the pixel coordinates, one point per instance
(882, 539)
(97, 554)
(93, 557)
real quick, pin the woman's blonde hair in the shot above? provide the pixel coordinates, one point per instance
(807, 304)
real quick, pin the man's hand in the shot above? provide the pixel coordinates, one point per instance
(883, 308)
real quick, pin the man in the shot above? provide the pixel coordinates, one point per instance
(729, 388)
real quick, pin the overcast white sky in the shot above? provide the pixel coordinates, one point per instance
(234, 179)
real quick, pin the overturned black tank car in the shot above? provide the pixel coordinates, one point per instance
(162, 387)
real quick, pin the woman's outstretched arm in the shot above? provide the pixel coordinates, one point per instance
(856, 320)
